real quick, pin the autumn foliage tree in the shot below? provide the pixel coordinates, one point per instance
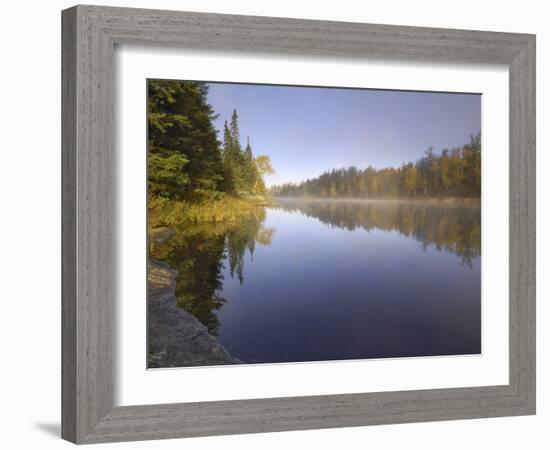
(455, 172)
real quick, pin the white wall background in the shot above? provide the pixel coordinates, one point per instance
(30, 223)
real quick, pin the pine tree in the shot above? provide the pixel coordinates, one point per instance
(228, 182)
(226, 138)
(249, 167)
(234, 158)
(185, 160)
(183, 150)
(248, 151)
(234, 128)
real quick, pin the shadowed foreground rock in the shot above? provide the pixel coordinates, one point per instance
(176, 338)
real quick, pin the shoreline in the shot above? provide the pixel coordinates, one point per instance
(180, 213)
(175, 337)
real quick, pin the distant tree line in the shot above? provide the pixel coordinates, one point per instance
(185, 157)
(455, 172)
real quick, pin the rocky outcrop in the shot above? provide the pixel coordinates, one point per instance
(176, 338)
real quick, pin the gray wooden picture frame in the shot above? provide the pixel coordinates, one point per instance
(89, 37)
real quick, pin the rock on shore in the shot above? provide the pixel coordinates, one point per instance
(176, 338)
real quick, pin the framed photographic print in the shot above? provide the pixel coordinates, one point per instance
(335, 219)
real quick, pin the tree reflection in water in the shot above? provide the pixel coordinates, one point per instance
(200, 252)
(453, 228)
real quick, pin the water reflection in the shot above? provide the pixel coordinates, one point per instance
(200, 253)
(455, 228)
(322, 280)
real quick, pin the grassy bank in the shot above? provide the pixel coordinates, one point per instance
(184, 213)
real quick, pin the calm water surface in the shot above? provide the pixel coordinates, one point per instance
(326, 280)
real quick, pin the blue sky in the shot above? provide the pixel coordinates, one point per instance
(306, 130)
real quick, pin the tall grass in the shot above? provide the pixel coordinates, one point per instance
(183, 213)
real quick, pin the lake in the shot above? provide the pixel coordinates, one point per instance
(312, 280)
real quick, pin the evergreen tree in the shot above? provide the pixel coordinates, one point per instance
(249, 168)
(234, 128)
(226, 137)
(183, 151)
(233, 157)
(240, 170)
(248, 152)
(185, 160)
(228, 182)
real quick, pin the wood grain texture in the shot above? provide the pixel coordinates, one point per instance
(523, 223)
(89, 36)
(68, 226)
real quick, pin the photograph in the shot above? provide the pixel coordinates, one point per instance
(295, 224)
